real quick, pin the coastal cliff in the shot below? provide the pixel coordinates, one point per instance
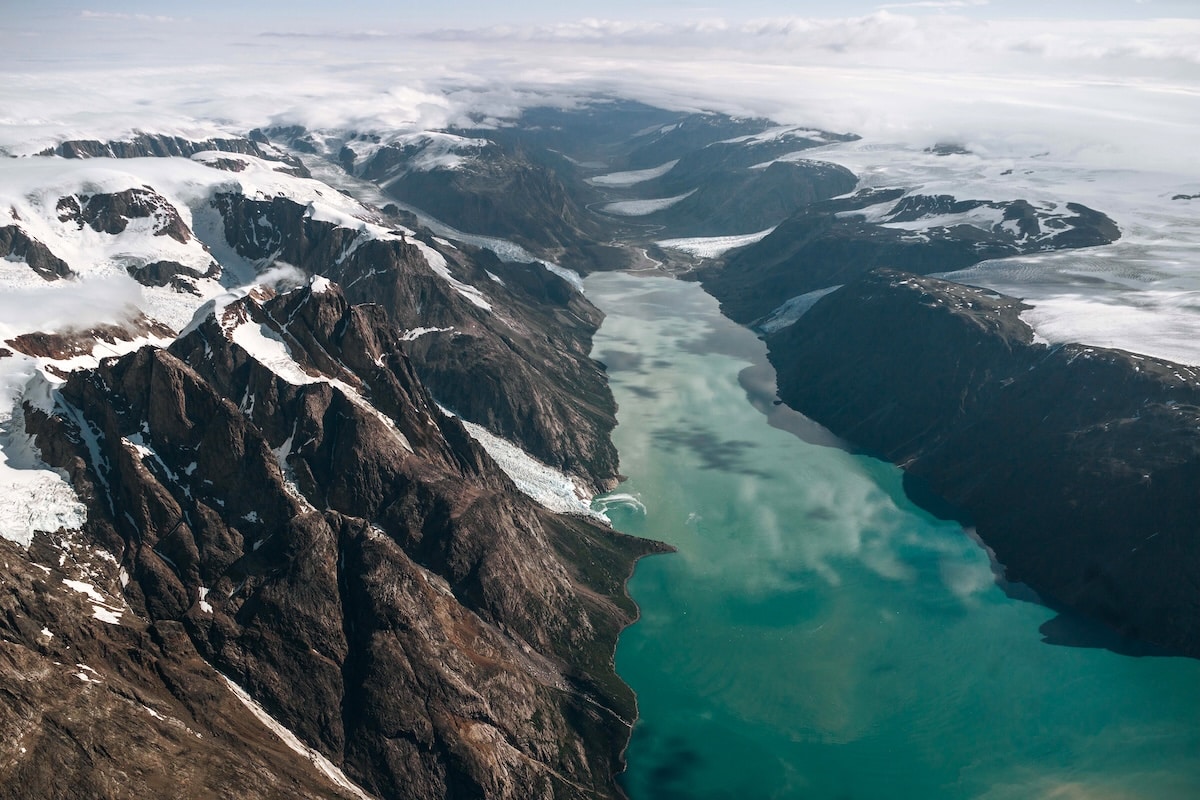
(1078, 465)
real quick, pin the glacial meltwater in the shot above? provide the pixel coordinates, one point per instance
(819, 636)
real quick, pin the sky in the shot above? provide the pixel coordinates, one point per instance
(477, 13)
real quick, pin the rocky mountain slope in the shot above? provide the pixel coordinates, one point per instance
(567, 183)
(280, 489)
(276, 552)
(1078, 465)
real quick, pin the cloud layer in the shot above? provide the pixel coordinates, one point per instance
(1106, 92)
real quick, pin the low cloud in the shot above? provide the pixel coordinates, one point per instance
(1102, 92)
(936, 4)
(69, 305)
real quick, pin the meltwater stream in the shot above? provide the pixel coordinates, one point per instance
(817, 635)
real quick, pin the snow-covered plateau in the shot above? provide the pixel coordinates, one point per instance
(1141, 293)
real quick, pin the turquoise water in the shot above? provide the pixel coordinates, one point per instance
(817, 635)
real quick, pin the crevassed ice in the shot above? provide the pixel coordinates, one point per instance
(543, 483)
(713, 246)
(33, 497)
(640, 208)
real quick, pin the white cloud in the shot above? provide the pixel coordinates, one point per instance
(937, 4)
(1088, 89)
(121, 17)
(70, 304)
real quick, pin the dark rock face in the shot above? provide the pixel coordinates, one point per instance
(146, 145)
(833, 242)
(1080, 466)
(98, 710)
(327, 538)
(111, 213)
(524, 196)
(522, 369)
(727, 198)
(18, 244)
(170, 273)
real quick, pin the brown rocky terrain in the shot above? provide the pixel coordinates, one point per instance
(321, 534)
(520, 368)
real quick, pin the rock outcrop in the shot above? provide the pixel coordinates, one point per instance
(833, 242)
(1079, 465)
(504, 345)
(111, 213)
(17, 244)
(147, 145)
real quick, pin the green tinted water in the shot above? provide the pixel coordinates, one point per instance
(818, 636)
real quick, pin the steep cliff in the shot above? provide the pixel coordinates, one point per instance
(1079, 466)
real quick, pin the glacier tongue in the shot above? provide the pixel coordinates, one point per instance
(33, 497)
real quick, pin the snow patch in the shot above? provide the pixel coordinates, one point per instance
(437, 263)
(106, 614)
(778, 133)
(205, 606)
(101, 608)
(268, 348)
(640, 208)
(322, 764)
(792, 310)
(416, 333)
(633, 177)
(713, 246)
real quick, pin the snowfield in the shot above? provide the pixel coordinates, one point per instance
(640, 208)
(713, 246)
(633, 177)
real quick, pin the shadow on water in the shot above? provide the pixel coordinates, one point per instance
(674, 767)
(1071, 629)
(644, 392)
(620, 360)
(1067, 629)
(723, 455)
(758, 382)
